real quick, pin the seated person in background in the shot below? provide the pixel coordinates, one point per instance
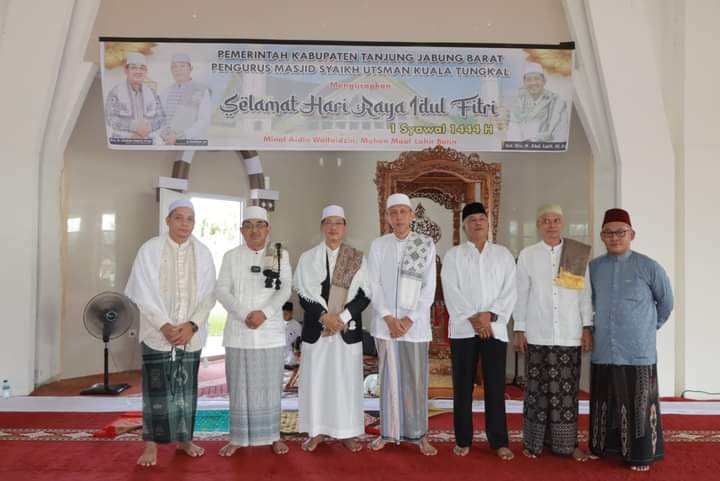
(293, 329)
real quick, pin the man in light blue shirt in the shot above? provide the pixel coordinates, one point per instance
(633, 298)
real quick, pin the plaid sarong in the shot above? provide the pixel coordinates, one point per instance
(404, 379)
(169, 394)
(255, 384)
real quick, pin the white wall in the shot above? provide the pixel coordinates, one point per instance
(70, 92)
(701, 172)
(641, 139)
(26, 99)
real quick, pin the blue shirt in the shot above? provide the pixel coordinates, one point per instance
(633, 298)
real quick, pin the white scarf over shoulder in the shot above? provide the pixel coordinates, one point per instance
(312, 270)
(150, 104)
(143, 286)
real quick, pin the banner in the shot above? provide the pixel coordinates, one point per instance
(263, 95)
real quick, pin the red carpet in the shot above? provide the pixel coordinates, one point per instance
(80, 460)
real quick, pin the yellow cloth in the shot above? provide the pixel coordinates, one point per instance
(573, 264)
(569, 280)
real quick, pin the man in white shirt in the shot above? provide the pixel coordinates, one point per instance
(293, 331)
(478, 280)
(253, 292)
(331, 282)
(172, 281)
(401, 271)
(553, 320)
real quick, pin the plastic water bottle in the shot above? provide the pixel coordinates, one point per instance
(5, 389)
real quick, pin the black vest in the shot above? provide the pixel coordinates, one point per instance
(312, 328)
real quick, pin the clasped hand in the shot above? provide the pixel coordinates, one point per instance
(332, 324)
(398, 327)
(255, 319)
(482, 324)
(177, 335)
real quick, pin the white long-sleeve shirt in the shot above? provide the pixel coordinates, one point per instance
(475, 282)
(172, 284)
(550, 315)
(384, 262)
(241, 291)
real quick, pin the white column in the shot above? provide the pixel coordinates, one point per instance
(701, 172)
(31, 50)
(73, 82)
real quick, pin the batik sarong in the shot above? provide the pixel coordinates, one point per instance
(255, 384)
(625, 413)
(403, 373)
(550, 408)
(169, 385)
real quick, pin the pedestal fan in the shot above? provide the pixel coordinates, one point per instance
(107, 316)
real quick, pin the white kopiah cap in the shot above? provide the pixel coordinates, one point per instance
(180, 203)
(180, 57)
(533, 68)
(333, 211)
(135, 59)
(398, 199)
(549, 209)
(255, 212)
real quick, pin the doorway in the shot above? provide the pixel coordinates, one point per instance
(217, 225)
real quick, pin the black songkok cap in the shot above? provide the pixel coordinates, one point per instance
(473, 208)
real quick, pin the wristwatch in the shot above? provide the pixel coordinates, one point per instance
(194, 327)
(493, 317)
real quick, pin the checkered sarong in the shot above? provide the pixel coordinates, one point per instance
(169, 395)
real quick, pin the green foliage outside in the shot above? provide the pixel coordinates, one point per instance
(216, 322)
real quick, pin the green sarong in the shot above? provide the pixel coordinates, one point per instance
(169, 395)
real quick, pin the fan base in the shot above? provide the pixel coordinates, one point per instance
(100, 388)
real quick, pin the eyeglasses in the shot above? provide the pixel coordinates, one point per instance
(551, 221)
(617, 233)
(256, 226)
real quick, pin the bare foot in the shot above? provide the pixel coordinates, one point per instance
(580, 455)
(311, 443)
(640, 468)
(426, 448)
(378, 443)
(192, 450)
(461, 451)
(528, 454)
(149, 456)
(228, 450)
(280, 447)
(505, 454)
(352, 444)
